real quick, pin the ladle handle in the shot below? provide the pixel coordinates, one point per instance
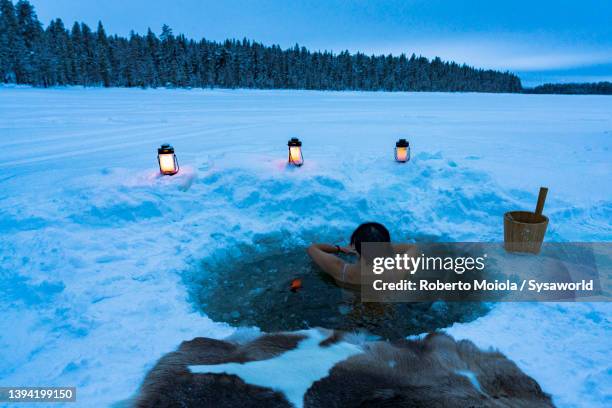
(541, 200)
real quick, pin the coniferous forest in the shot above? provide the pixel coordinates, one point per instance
(56, 55)
(600, 88)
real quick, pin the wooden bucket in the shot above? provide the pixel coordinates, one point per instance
(524, 230)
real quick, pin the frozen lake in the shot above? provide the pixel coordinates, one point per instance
(97, 253)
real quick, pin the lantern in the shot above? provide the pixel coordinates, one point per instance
(168, 165)
(295, 152)
(402, 151)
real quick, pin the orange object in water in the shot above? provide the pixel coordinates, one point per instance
(296, 284)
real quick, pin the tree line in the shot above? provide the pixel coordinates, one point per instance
(55, 55)
(600, 88)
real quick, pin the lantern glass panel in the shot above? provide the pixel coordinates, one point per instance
(295, 155)
(167, 163)
(401, 154)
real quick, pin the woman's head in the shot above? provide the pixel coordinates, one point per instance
(369, 232)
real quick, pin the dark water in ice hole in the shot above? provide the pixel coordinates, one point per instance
(252, 288)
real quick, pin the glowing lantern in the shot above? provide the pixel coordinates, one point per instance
(295, 152)
(402, 151)
(168, 165)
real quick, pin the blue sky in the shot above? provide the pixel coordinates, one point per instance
(542, 41)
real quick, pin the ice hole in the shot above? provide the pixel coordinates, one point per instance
(250, 286)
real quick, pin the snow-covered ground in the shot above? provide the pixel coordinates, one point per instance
(97, 252)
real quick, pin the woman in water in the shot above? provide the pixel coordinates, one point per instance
(349, 274)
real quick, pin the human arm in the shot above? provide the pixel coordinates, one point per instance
(324, 255)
